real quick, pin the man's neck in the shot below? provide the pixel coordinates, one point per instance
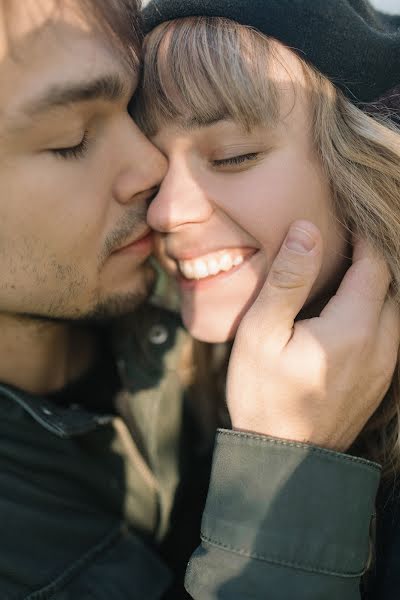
(41, 357)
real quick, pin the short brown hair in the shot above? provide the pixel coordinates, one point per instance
(119, 20)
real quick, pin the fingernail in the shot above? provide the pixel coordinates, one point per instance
(299, 240)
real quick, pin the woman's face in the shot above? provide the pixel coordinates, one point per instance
(226, 204)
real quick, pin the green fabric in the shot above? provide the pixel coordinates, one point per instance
(61, 507)
(239, 577)
(79, 517)
(283, 520)
(85, 514)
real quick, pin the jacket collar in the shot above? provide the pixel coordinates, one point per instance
(62, 421)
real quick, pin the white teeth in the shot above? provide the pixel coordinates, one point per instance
(212, 265)
(226, 262)
(238, 261)
(187, 269)
(200, 269)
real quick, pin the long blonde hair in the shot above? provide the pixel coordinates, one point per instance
(201, 68)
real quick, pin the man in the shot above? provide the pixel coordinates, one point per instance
(102, 472)
(76, 175)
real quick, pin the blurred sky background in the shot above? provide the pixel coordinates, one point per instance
(392, 6)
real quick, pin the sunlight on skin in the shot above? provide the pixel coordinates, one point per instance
(207, 208)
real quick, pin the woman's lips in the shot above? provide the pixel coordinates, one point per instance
(202, 272)
(213, 263)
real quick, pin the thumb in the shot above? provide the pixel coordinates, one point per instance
(290, 278)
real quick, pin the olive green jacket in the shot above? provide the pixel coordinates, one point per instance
(102, 506)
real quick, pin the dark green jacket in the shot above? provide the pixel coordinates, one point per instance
(107, 506)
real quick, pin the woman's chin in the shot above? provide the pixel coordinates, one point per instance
(210, 319)
(209, 330)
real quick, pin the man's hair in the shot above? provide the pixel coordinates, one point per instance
(119, 20)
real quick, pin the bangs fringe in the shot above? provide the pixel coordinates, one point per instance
(230, 63)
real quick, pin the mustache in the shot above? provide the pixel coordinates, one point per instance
(132, 220)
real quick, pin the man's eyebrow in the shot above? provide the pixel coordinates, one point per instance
(107, 87)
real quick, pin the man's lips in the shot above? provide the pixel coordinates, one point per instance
(142, 244)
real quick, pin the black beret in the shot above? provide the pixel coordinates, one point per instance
(351, 43)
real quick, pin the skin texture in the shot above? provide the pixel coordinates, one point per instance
(204, 205)
(64, 214)
(308, 379)
(316, 342)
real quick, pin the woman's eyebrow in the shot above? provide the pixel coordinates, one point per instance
(199, 121)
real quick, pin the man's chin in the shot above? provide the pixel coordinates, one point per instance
(116, 306)
(111, 308)
(121, 303)
(103, 306)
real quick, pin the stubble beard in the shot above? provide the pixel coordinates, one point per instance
(119, 305)
(102, 308)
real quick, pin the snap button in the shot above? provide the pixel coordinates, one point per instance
(158, 334)
(46, 411)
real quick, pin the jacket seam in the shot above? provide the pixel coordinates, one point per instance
(336, 456)
(72, 570)
(308, 568)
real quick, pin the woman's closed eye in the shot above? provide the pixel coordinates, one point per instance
(233, 161)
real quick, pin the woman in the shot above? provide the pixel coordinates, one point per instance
(258, 139)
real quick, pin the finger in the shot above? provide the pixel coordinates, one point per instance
(290, 278)
(363, 290)
(388, 335)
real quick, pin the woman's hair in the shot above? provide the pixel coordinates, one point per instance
(200, 68)
(118, 20)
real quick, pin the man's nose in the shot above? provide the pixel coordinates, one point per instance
(181, 200)
(142, 165)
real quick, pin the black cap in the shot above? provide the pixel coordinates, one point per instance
(351, 43)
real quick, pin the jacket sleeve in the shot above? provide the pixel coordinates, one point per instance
(283, 520)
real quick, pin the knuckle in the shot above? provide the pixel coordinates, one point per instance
(287, 278)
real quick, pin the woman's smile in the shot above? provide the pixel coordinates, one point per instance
(213, 268)
(196, 265)
(229, 197)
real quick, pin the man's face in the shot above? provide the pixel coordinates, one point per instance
(75, 172)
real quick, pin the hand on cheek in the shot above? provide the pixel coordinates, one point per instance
(317, 380)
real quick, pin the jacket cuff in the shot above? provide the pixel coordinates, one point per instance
(290, 504)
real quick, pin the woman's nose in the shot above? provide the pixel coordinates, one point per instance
(180, 200)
